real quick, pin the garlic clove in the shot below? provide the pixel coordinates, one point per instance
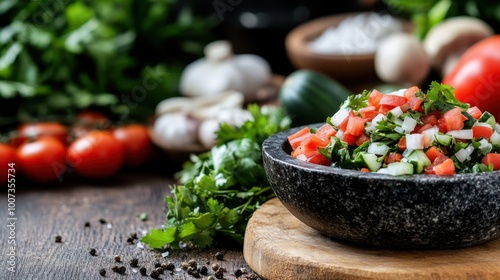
(210, 106)
(208, 133)
(174, 105)
(257, 73)
(176, 130)
(218, 51)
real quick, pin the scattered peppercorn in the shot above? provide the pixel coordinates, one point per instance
(58, 239)
(164, 265)
(143, 271)
(115, 269)
(219, 274)
(159, 270)
(203, 270)
(157, 264)
(133, 235)
(122, 270)
(102, 272)
(87, 224)
(190, 270)
(215, 266)
(134, 262)
(184, 265)
(118, 258)
(238, 273)
(102, 221)
(192, 263)
(155, 274)
(170, 266)
(195, 274)
(219, 256)
(93, 252)
(130, 240)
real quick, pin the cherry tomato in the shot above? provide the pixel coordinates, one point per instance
(43, 160)
(136, 142)
(95, 155)
(87, 121)
(30, 131)
(476, 75)
(7, 156)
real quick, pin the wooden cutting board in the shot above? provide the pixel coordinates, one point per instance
(279, 246)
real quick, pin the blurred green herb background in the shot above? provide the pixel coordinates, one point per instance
(118, 56)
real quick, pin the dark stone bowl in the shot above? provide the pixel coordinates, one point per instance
(404, 212)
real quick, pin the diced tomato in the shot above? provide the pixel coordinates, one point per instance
(393, 157)
(474, 112)
(319, 159)
(368, 113)
(374, 99)
(442, 126)
(405, 107)
(437, 161)
(410, 92)
(453, 119)
(350, 139)
(402, 144)
(484, 131)
(430, 119)
(298, 151)
(416, 103)
(298, 136)
(392, 100)
(326, 131)
(433, 152)
(445, 168)
(364, 169)
(384, 109)
(343, 125)
(424, 128)
(312, 143)
(362, 139)
(355, 126)
(494, 159)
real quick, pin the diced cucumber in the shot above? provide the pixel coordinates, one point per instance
(371, 161)
(488, 118)
(418, 159)
(397, 168)
(444, 139)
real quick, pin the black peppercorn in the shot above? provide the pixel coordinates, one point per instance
(219, 274)
(190, 270)
(170, 266)
(215, 266)
(203, 270)
(192, 263)
(87, 224)
(143, 270)
(122, 270)
(102, 272)
(159, 270)
(115, 268)
(157, 264)
(195, 274)
(118, 258)
(238, 273)
(93, 252)
(58, 239)
(219, 256)
(130, 240)
(155, 274)
(133, 235)
(134, 262)
(102, 221)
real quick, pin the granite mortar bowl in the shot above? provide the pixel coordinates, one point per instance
(403, 212)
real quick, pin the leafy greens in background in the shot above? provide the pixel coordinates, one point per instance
(222, 187)
(122, 56)
(427, 13)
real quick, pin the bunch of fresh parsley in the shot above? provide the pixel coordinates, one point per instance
(222, 187)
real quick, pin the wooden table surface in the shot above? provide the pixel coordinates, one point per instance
(43, 212)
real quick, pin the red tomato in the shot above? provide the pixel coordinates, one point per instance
(474, 112)
(453, 119)
(43, 160)
(97, 154)
(7, 156)
(476, 75)
(445, 168)
(410, 92)
(326, 131)
(368, 113)
(433, 153)
(392, 100)
(484, 131)
(136, 142)
(492, 159)
(355, 126)
(393, 157)
(374, 99)
(29, 131)
(296, 138)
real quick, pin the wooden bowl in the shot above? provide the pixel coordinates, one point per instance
(342, 67)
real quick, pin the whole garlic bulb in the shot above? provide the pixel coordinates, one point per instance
(221, 70)
(176, 129)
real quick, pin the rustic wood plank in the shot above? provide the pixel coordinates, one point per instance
(63, 209)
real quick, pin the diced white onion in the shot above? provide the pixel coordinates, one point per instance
(302, 157)
(373, 124)
(398, 121)
(464, 154)
(340, 135)
(396, 112)
(429, 135)
(378, 148)
(485, 146)
(400, 92)
(495, 138)
(465, 134)
(414, 141)
(409, 124)
(340, 116)
(399, 130)
(497, 127)
(482, 124)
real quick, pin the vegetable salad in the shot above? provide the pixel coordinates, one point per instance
(404, 132)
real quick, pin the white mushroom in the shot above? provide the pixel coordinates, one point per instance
(445, 42)
(401, 59)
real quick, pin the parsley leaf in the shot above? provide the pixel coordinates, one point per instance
(222, 187)
(441, 97)
(357, 101)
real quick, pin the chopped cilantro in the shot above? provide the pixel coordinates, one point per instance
(357, 101)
